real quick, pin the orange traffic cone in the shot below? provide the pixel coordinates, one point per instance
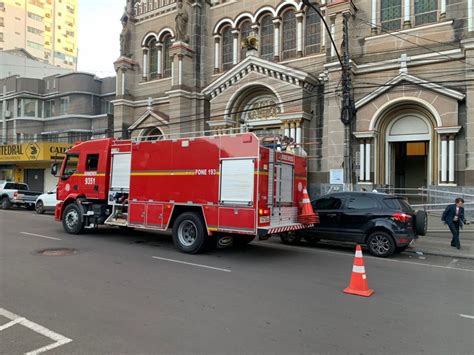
(307, 215)
(359, 285)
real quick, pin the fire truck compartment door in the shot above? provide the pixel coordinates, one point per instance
(121, 165)
(237, 181)
(137, 213)
(154, 216)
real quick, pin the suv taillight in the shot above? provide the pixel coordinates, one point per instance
(401, 217)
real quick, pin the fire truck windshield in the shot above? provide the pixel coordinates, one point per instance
(71, 165)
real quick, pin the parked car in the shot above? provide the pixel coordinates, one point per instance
(17, 194)
(46, 202)
(385, 223)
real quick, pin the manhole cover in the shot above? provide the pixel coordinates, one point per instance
(57, 252)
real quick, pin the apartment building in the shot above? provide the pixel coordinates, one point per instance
(47, 29)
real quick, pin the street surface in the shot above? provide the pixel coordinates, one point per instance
(129, 293)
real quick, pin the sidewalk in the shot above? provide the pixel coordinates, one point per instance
(438, 241)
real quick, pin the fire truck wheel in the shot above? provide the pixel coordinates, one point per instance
(189, 234)
(290, 238)
(72, 219)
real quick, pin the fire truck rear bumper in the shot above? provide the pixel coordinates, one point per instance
(262, 232)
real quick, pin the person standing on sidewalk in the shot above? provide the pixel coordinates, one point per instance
(453, 216)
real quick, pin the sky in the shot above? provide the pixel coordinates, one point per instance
(99, 32)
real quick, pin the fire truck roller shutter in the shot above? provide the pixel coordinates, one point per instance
(237, 181)
(121, 165)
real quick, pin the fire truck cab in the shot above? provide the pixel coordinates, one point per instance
(210, 189)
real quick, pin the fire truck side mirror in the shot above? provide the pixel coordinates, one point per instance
(54, 169)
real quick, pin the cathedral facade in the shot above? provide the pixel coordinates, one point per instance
(271, 67)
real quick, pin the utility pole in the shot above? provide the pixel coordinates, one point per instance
(348, 109)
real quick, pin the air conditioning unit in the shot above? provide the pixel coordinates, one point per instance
(8, 114)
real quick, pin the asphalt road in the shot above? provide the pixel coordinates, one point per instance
(129, 293)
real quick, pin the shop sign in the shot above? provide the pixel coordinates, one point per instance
(32, 151)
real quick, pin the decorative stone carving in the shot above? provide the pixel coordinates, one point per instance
(182, 19)
(125, 34)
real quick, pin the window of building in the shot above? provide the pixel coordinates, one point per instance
(92, 162)
(35, 30)
(153, 50)
(1, 36)
(64, 105)
(34, 16)
(107, 107)
(289, 35)
(312, 32)
(2, 22)
(390, 14)
(18, 107)
(51, 137)
(34, 45)
(267, 38)
(227, 48)
(166, 57)
(245, 30)
(74, 137)
(29, 107)
(426, 11)
(49, 108)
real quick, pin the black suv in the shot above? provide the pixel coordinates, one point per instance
(385, 223)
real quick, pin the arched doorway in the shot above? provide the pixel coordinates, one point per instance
(406, 145)
(408, 151)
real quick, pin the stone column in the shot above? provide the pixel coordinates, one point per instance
(407, 17)
(217, 54)
(292, 131)
(235, 34)
(444, 159)
(442, 12)
(451, 158)
(299, 33)
(160, 61)
(180, 69)
(470, 16)
(333, 34)
(276, 39)
(298, 133)
(367, 161)
(374, 17)
(145, 63)
(287, 130)
(362, 160)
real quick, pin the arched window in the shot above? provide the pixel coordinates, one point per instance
(227, 48)
(266, 38)
(166, 56)
(390, 14)
(150, 5)
(152, 134)
(312, 32)
(245, 30)
(289, 35)
(153, 50)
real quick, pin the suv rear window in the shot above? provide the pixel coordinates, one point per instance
(398, 204)
(16, 186)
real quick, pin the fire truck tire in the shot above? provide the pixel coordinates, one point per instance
(290, 238)
(73, 219)
(189, 233)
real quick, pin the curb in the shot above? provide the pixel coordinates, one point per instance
(440, 253)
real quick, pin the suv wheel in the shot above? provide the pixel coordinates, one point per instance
(421, 223)
(39, 207)
(381, 244)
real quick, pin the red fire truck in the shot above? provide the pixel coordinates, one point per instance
(221, 188)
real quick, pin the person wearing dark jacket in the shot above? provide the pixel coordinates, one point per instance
(453, 216)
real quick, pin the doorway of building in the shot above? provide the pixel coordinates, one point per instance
(35, 179)
(409, 164)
